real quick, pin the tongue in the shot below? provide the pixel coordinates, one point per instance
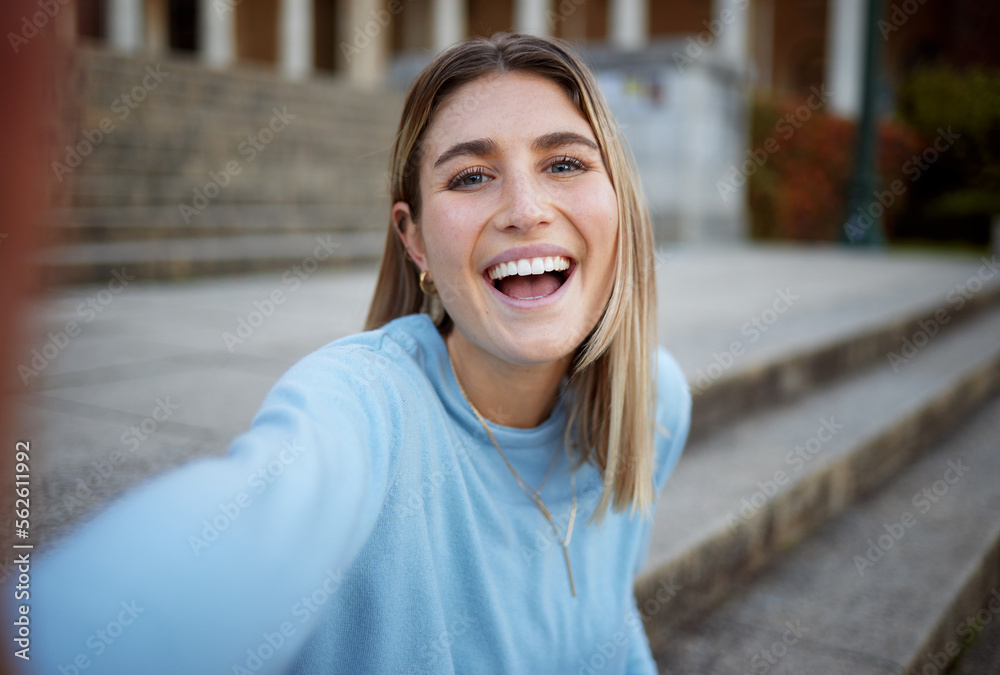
(530, 286)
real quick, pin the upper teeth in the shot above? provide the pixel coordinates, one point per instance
(526, 266)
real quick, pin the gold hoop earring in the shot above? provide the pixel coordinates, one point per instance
(427, 288)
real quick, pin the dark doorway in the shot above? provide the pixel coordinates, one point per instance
(183, 21)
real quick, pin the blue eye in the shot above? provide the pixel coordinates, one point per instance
(566, 164)
(471, 177)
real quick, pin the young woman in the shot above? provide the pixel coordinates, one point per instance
(453, 490)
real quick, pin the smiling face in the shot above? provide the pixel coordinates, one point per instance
(518, 218)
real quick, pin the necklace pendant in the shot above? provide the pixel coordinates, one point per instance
(569, 570)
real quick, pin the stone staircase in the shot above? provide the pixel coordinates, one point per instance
(838, 510)
(175, 170)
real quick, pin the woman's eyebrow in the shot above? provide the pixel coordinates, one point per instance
(485, 147)
(558, 138)
(481, 147)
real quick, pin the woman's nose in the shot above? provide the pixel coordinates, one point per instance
(526, 203)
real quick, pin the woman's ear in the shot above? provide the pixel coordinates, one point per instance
(410, 233)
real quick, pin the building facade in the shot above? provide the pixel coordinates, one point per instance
(678, 73)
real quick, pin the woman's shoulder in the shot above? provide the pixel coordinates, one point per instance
(673, 414)
(398, 345)
(374, 367)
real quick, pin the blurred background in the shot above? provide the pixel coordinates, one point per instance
(196, 198)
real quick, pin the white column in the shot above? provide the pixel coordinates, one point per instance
(450, 23)
(124, 24)
(845, 55)
(296, 38)
(629, 23)
(531, 17)
(367, 62)
(732, 19)
(218, 32)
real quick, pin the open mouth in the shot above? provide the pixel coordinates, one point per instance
(530, 278)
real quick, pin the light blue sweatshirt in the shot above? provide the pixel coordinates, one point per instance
(364, 524)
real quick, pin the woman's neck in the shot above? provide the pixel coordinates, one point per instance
(502, 392)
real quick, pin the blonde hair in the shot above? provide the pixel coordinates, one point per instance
(611, 397)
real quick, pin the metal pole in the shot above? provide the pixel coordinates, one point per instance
(863, 225)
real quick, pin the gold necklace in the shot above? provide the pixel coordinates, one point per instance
(533, 495)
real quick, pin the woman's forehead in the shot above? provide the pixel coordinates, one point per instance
(509, 107)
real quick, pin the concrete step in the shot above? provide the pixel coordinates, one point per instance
(105, 76)
(805, 368)
(169, 158)
(276, 183)
(183, 258)
(902, 582)
(759, 485)
(81, 225)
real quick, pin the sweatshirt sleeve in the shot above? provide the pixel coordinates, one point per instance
(201, 570)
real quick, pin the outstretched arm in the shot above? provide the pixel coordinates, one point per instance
(210, 568)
